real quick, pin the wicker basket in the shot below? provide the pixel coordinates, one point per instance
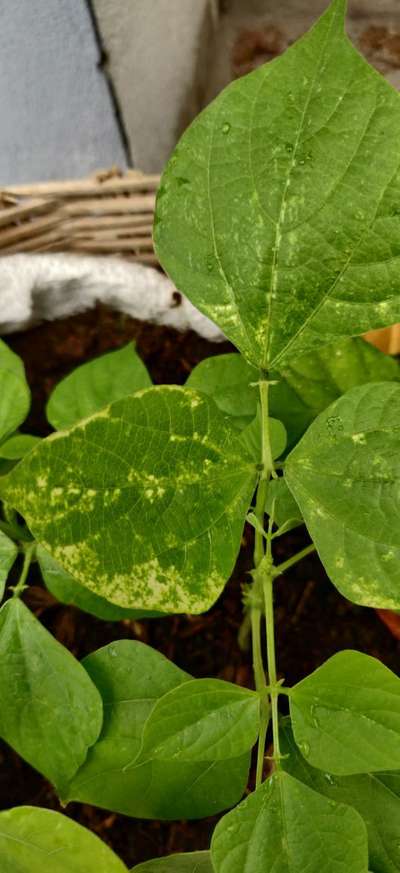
(110, 213)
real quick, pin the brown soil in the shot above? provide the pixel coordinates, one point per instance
(312, 620)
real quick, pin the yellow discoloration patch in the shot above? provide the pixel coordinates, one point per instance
(359, 438)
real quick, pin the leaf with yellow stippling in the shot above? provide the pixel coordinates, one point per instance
(344, 474)
(278, 213)
(144, 503)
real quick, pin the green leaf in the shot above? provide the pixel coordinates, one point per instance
(251, 437)
(6, 466)
(34, 840)
(277, 214)
(377, 804)
(131, 677)
(285, 827)
(67, 590)
(192, 862)
(286, 512)
(300, 390)
(51, 712)
(18, 445)
(346, 715)
(95, 385)
(202, 720)
(228, 380)
(154, 516)
(8, 554)
(10, 361)
(15, 396)
(344, 475)
(306, 386)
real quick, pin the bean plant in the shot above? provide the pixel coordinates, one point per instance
(278, 215)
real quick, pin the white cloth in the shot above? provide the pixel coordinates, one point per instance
(39, 287)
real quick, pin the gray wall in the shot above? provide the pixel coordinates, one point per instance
(56, 114)
(165, 59)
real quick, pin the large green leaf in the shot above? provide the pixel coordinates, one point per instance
(50, 712)
(15, 396)
(67, 590)
(278, 212)
(344, 475)
(377, 804)
(346, 715)
(202, 720)
(95, 385)
(286, 827)
(8, 554)
(131, 677)
(144, 503)
(193, 862)
(34, 840)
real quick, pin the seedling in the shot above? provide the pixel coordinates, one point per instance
(278, 215)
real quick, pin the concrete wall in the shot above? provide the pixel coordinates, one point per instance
(165, 60)
(158, 56)
(56, 114)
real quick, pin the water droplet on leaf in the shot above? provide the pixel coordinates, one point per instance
(226, 127)
(314, 716)
(329, 778)
(304, 749)
(334, 425)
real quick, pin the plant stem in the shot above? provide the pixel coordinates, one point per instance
(259, 555)
(266, 452)
(271, 657)
(28, 555)
(256, 612)
(268, 575)
(281, 568)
